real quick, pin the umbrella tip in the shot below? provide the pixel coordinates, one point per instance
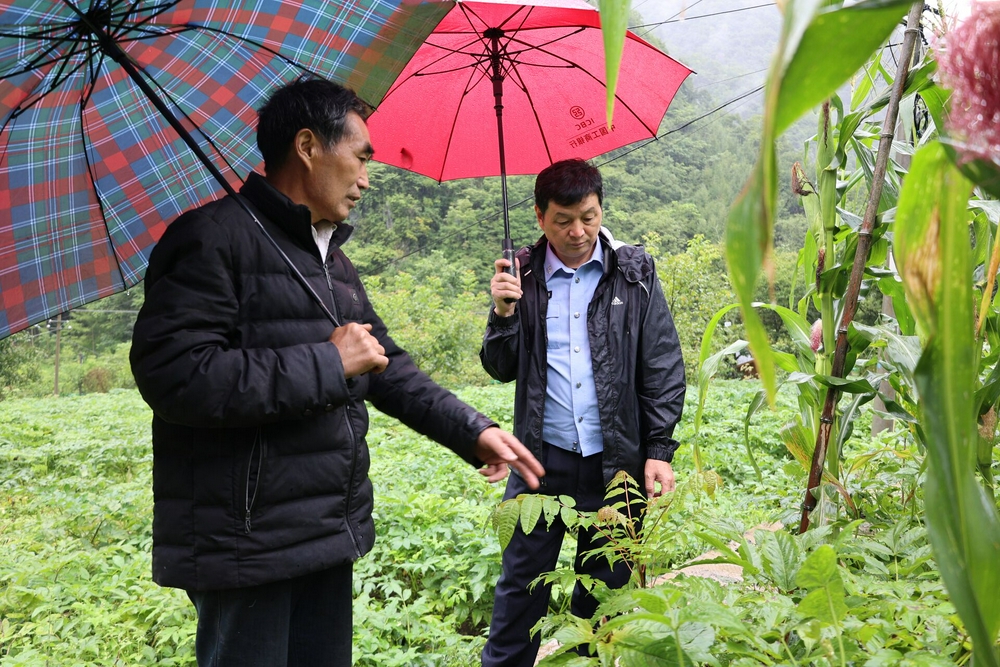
(405, 158)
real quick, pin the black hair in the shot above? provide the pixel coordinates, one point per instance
(307, 103)
(567, 182)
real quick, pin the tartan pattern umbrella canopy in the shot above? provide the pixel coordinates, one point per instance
(90, 171)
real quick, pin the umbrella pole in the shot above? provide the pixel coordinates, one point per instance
(115, 52)
(494, 35)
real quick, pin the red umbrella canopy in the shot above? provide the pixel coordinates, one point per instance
(439, 118)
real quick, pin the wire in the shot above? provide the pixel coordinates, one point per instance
(684, 9)
(738, 76)
(679, 128)
(685, 125)
(674, 18)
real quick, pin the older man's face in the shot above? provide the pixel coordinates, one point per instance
(340, 173)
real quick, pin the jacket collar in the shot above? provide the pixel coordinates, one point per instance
(613, 255)
(294, 219)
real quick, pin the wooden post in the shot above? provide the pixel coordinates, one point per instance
(55, 387)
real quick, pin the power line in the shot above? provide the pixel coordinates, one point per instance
(732, 78)
(674, 18)
(687, 124)
(679, 128)
(696, 2)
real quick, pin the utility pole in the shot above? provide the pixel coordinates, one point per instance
(55, 388)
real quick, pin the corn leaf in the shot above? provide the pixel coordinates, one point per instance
(933, 254)
(834, 45)
(614, 25)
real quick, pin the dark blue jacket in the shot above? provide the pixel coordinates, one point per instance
(636, 356)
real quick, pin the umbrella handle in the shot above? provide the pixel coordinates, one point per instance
(508, 254)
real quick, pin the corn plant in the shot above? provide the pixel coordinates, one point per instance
(954, 381)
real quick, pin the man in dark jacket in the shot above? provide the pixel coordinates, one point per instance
(585, 331)
(262, 499)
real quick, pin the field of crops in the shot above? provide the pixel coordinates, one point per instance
(75, 521)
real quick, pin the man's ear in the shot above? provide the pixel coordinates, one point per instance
(304, 146)
(539, 215)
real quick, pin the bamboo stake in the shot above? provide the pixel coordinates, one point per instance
(860, 260)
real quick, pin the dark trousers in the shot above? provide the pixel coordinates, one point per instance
(302, 622)
(515, 609)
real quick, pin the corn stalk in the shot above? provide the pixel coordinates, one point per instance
(827, 418)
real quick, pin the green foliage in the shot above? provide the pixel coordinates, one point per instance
(74, 507)
(846, 594)
(75, 539)
(695, 286)
(102, 326)
(75, 517)
(614, 24)
(438, 318)
(18, 363)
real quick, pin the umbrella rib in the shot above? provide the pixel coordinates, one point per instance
(197, 128)
(244, 40)
(17, 111)
(454, 122)
(37, 62)
(84, 100)
(541, 47)
(95, 68)
(624, 104)
(153, 12)
(39, 34)
(421, 72)
(534, 112)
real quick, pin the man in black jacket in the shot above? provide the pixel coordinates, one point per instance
(262, 499)
(585, 331)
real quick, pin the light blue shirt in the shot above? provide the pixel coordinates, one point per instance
(572, 420)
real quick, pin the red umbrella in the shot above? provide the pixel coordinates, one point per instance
(535, 68)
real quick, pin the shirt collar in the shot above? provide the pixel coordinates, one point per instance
(553, 263)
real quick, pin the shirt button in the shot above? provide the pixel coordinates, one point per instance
(576, 280)
(576, 315)
(579, 384)
(579, 419)
(576, 349)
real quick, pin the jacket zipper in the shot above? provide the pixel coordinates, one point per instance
(250, 499)
(350, 428)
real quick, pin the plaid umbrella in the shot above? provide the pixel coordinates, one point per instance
(92, 169)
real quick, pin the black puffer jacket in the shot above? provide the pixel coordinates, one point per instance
(260, 465)
(638, 370)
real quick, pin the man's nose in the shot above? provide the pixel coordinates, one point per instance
(363, 178)
(576, 229)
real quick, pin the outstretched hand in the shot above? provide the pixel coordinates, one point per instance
(498, 450)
